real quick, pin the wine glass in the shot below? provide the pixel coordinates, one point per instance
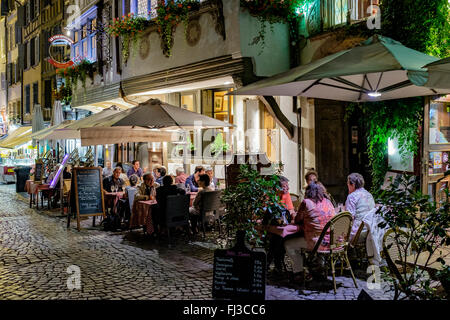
(113, 188)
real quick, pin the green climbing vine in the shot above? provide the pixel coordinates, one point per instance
(420, 25)
(276, 11)
(389, 119)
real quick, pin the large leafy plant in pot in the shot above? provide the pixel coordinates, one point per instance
(419, 225)
(252, 201)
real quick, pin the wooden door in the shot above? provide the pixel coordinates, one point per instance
(332, 147)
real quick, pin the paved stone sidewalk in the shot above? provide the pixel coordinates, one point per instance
(36, 249)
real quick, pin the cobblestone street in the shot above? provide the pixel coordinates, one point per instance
(36, 249)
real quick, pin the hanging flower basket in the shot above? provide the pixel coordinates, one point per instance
(79, 71)
(170, 14)
(130, 28)
(276, 11)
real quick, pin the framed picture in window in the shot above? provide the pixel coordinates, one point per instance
(218, 103)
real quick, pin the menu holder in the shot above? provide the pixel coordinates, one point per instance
(38, 171)
(239, 273)
(88, 193)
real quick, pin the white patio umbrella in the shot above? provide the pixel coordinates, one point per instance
(57, 114)
(379, 68)
(57, 118)
(153, 120)
(72, 131)
(37, 122)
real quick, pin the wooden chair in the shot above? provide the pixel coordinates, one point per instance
(211, 202)
(340, 226)
(177, 212)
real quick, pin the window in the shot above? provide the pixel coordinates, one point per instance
(27, 98)
(35, 93)
(75, 36)
(93, 47)
(84, 31)
(187, 102)
(84, 45)
(439, 123)
(32, 53)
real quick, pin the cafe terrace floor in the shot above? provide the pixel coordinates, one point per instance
(36, 249)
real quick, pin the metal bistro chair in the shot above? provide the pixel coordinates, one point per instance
(295, 200)
(393, 248)
(358, 246)
(177, 212)
(210, 202)
(340, 227)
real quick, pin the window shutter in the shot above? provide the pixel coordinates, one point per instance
(5, 9)
(21, 56)
(18, 33)
(32, 51)
(28, 54)
(21, 16)
(37, 48)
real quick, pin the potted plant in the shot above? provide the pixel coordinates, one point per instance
(130, 28)
(419, 225)
(219, 146)
(251, 202)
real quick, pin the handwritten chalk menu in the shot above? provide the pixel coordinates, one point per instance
(239, 275)
(88, 192)
(38, 171)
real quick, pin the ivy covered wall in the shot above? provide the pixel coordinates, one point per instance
(420, 25)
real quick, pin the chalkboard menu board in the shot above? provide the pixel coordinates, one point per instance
(239, 274)
(38, 171)
(88, 192)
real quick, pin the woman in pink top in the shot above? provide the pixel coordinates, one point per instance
(312, 216)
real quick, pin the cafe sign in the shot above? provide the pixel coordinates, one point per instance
(59, 51)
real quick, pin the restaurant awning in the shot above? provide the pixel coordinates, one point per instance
(153, 120)
(377, 69)
(45, 133)
(16, 138)
(72, 131)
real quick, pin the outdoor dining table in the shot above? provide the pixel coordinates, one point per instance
(141, 215)
(111, 199)
(33, 189)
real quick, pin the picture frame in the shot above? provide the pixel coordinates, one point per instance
(218, 103)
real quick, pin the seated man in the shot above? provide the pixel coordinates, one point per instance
(114, 180)
(147, 190)
(209, 171)
(167, 189)
(192, 180)
(194, 211)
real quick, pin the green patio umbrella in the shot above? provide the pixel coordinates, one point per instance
(379, 68)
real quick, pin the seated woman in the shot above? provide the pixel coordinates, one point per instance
(194, 211)
(359, 203)
(314, 213)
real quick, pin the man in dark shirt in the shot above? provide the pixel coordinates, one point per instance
(135, 169)
(191, 181)
(167, 189)
(113, 180)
